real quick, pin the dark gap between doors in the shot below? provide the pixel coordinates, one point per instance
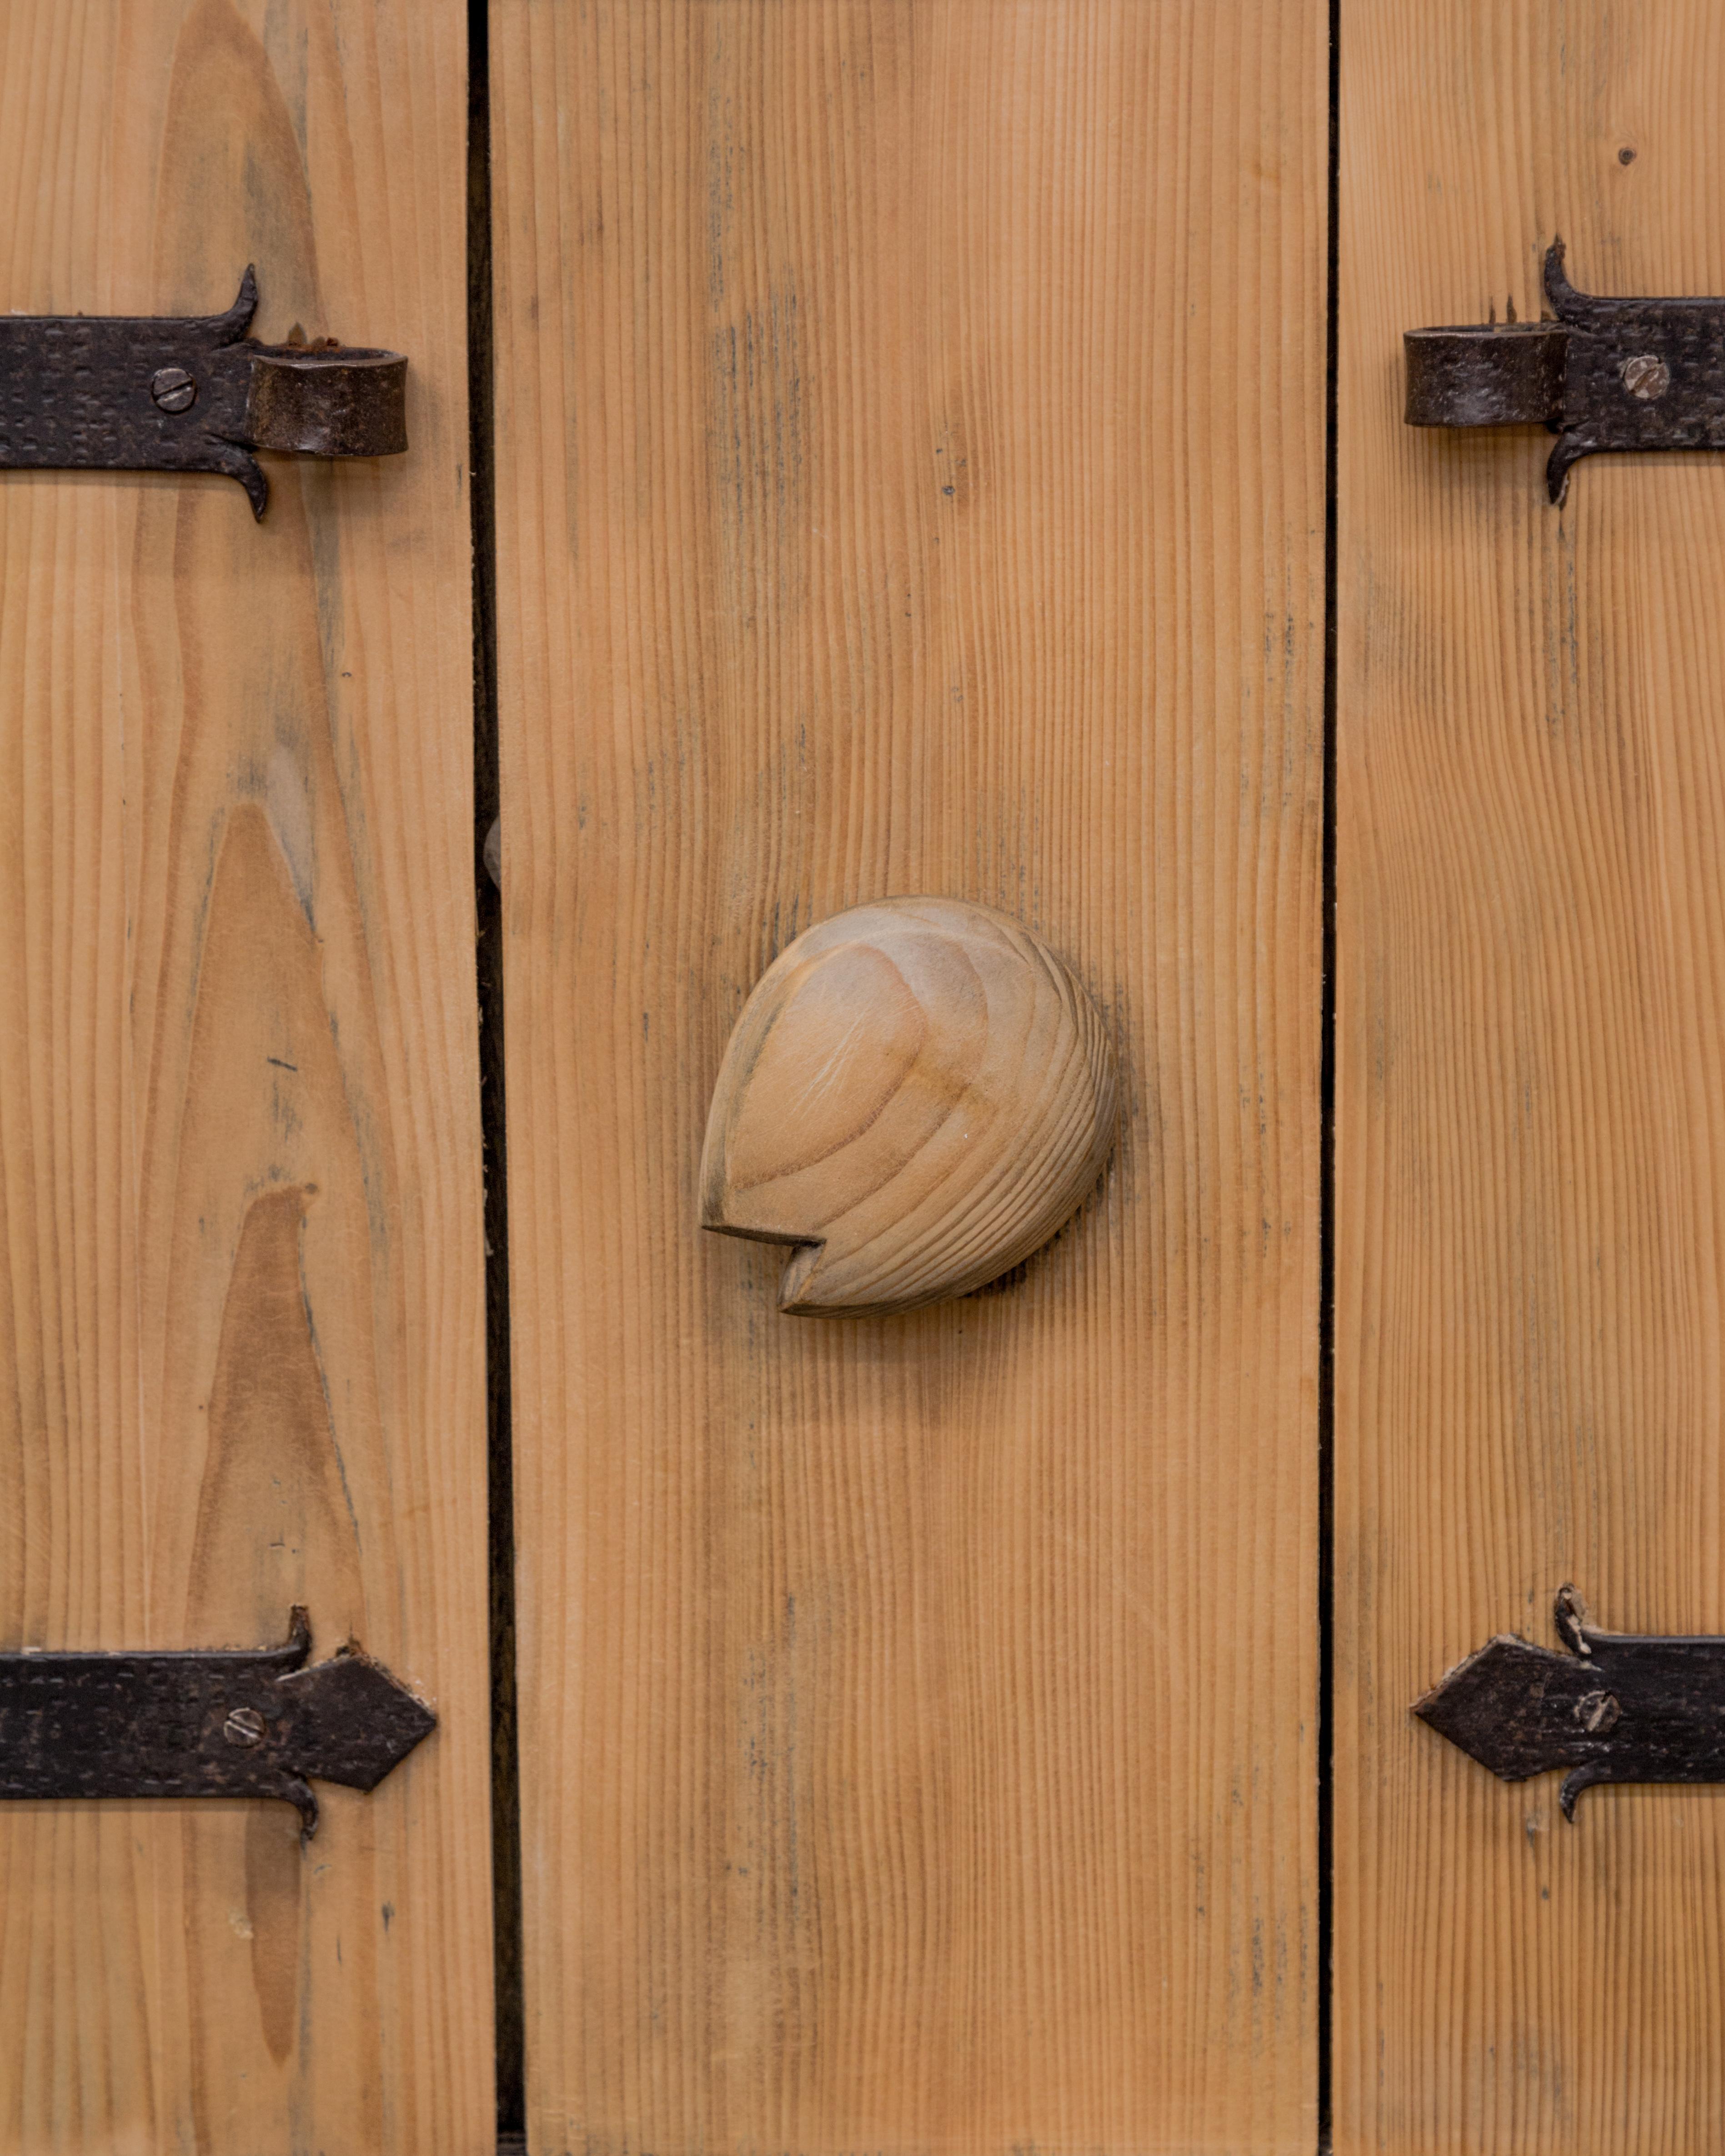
(505, 1769)
(1327, 1161)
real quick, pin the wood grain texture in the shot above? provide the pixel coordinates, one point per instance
(911, 479)
(917, 1094)
(239, 1174)
(1531, 1122)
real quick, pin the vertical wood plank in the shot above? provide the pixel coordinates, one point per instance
(910, 463)
(242, 1267)
(1530, 947)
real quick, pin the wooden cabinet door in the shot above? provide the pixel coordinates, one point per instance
(948, 453)
(241, 1261)
(911, 480)
(1530, 1188)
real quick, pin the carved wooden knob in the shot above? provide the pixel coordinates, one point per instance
(917, 1094)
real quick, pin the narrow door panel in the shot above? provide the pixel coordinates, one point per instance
(1530, 1180)
(239, 1174)
(910, 481)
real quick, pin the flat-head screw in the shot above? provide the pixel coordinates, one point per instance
(243, 1726)
(173, 388)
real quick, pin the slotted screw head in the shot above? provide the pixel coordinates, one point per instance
(243, 1726)
(173, 388)
(1646, 376)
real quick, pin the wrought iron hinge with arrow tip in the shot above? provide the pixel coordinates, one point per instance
(118, 392)
(230, 1722)
(1606, 374)
(1619, 1707)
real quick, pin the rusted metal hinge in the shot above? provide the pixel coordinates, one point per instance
(1619, 1707)
(119, 392)
(231, 1723)
(1606, 374)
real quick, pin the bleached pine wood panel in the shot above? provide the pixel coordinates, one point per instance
(910, 480)
(241, 1263)
(1530, 1373)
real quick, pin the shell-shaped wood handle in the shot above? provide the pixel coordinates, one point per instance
(917, 1094)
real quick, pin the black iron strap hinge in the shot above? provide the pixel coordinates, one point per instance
(1606, 374)
(1619, 1707)
(119, 392)
(229, 1722)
